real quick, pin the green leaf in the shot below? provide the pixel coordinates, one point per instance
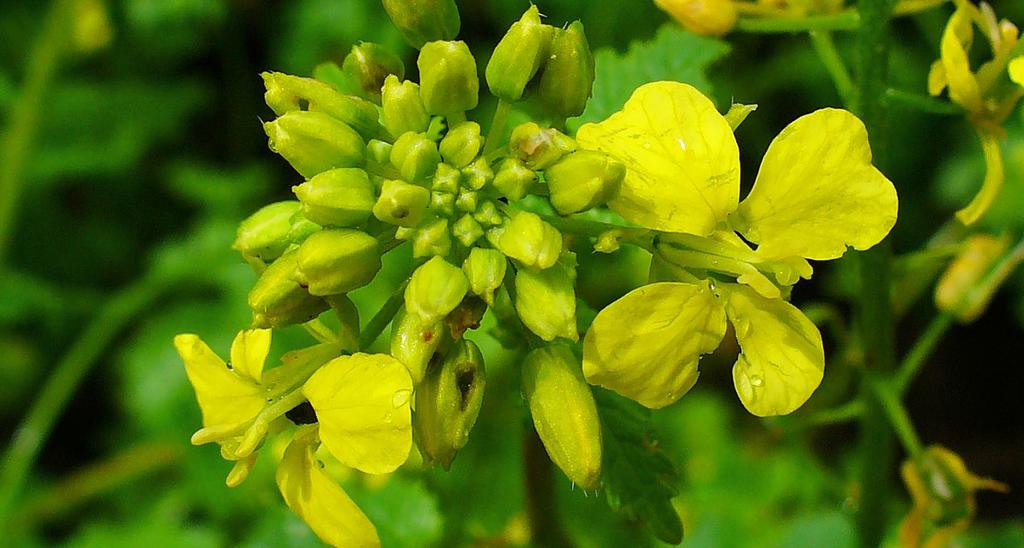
(639, 478)
(673, 54)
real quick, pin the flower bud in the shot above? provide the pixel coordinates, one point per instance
(339, 197)
(442, 203)
(487, 214)
(518, 56)
(705, 17)
(514, 179)
(466, 201)
(539, 147)
(568, 78)
(414, 341)
(582, 180)
(366, 67)
(966, 288)
(447, 179)
(564, 412)
(432, 240)
(402, 108)
(337, 261)
(477, 174)
(415, 157)
(277, 300)
(379, 151)
(287, 93)
(448, 80)
(467, 231)
(314, 142)
(462, 144)
(546, 299)
(401, 203)
(485, 270)
(302, 228)
(264, 234)
(448, 402)
(422, 21)
(531, 241)
(435, 289)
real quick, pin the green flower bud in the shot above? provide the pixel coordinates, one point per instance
(477, 174)
(518, 56)
(514, 179)
(442, 203)
(539, 147)
(401, 203)
(339, 197)
(487, 214)
(546, 299)
(414, 341)
(402, 107)
(568, 77)
(466, 201)
(264, 234)
(485, 270)
(378, 151)
(448, 80)
(432, 240)
(448, 402)
(337, 261)
(302, 228)
(422, 21)
(531, 241)
(462, 144)
(446, 179)
(415, 157)
(287, 93)
(435, 289)
(366, 67)
(314, 142)
(466, 230)
(564, 412)
(277, 300)
(582, 180)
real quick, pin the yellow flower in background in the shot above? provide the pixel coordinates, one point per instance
(706, 17)
(816, 194)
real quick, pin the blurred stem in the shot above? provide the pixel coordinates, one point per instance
(825, 47)
(16, 142)
(922, 348)
(889, 400)
(843, 20)
(923, 103)
(876, 449)
(545, 531)
(837, 415)
(382, 318)
(63, 381)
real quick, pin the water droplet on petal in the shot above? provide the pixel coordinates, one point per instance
(388, 417)
(400, 398)
(756, 380)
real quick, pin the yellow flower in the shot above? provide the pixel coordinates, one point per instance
(816, 194)
(707, 17)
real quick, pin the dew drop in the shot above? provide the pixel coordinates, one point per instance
(400, 398)
(756, 380)
(388, 417)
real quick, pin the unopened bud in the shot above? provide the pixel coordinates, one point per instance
(314, 142)
(442, 203)
(447, 179)
(302, 228)
(366, 67)
(379, 151)
(277, 300)
(485, 270)
(339, 197)
(539, 147)
(582, 180)
(966, 288)
(706, 17)
(564, 413)
(448, 80)
(422, 21)
(337, 261)
(432, 240)
(546, 299)
(467, 231)
(435, 289)
(531, 241)
(477, 174)
(462, 144)
(414, 341)
(264, 234)
(415, 157)
(287, 93)
(448, 402)
(403, 109)
(401, 203)
(487, 214)
(514, 179)
(568, 77)
(518, 56)
(466, 201)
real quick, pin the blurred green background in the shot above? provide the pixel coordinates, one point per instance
(143, 149)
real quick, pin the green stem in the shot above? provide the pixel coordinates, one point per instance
(62, 382)
(889, 400)
(923, 103)
(382, 318)
(497, 128)
(545, 530)
(837, 415)
(16, 142)
(843, 20)
(825, 47)
(922, 348)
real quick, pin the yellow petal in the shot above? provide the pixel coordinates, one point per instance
(362, 403)
(995, 176)
(956, 39)
(321, 502)
(224, 397)
(249, 351)
(936, 78)
(647, 344)
(1017, 70)
(682, 161)
(781, 361)
(817, 192)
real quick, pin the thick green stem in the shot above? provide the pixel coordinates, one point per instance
(545, 531)
(494, 133)
(889, 401)
(825, 47)
(35, 428)
(381, 319)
